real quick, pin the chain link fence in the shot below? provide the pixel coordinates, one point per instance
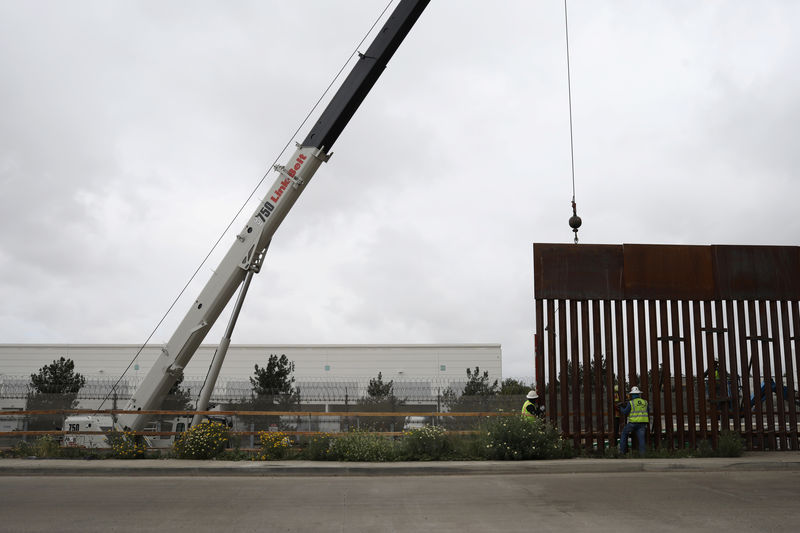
(319, 405)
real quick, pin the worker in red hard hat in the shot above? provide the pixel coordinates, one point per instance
(638, 412)
(532, 405)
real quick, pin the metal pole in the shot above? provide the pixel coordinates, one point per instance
(219, 355)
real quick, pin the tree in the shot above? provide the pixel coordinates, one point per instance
(275, 379)
(378, 390)
(59, 377)
(178, 398)
(478, 384)
(478, 395)
(513, 387)
(511, 395)
(55, 386)
(273, 390)
(380, 398)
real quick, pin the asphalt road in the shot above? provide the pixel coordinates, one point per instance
(621, 502)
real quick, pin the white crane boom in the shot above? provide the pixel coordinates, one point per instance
(247, 252)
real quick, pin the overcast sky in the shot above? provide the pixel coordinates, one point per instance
(132, 132)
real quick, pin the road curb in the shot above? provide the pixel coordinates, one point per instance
(177, 468)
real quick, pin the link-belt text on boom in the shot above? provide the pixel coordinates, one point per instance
(267, 208)
(298, 163)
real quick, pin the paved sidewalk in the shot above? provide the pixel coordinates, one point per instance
(750, 461)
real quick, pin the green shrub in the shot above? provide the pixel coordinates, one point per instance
(362, 446)
(235, 455)
(43, 447)
(125, 445)
(203, 441)
(524, 437)
(470, 447)
(318, 448)
(46, 446)
(274, 445)
(731, 444)
(21, 449)
(426, 443)
(663, 452)
(704, 448)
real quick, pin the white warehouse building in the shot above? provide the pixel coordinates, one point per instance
(323, 372)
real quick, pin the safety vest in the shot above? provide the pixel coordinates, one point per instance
(525, 408)
(638, 414)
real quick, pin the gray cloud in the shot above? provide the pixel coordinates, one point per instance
(132, 132)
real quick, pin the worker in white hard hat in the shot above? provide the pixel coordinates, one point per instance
(532, 405)
(638, 412)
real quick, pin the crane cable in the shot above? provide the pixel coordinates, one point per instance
(250, 197)
(574, 220)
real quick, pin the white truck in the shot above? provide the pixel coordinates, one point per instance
(246, 254)
(76, 425)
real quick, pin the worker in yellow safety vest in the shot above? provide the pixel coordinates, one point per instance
(617, 406)
(532, 407)
(638, 412)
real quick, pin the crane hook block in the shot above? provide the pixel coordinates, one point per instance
(575, 221)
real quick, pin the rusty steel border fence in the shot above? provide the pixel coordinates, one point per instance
(661, 317)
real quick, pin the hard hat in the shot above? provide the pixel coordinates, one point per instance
(616, 388)
(532, 395)
(635, 390)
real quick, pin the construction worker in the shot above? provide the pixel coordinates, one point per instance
(617, 407)
(637, 411)
(722, 391)
(532, 406)
(707, 374)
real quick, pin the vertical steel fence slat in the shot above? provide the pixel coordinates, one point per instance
(655, 381)
(588, 431)
(795, 337)
(619, 348)
(613, 426)
(598, 375)
(733, 368)
(746, 371)
(777, 369)
(540, 367)
(724, 385)
(766, 370)
(691, 413)
(711, 378)
(644, 380)
(564, 366)
(755, 366)
(552, 359)
(666, 376)
(575, 390)
(699, 366)
(631, 343)
(733, 372)
(677, 341)
(789, 373)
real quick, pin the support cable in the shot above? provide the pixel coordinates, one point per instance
(574, 220)
(250, 197)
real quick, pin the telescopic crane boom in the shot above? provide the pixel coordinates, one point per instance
(246, 254)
